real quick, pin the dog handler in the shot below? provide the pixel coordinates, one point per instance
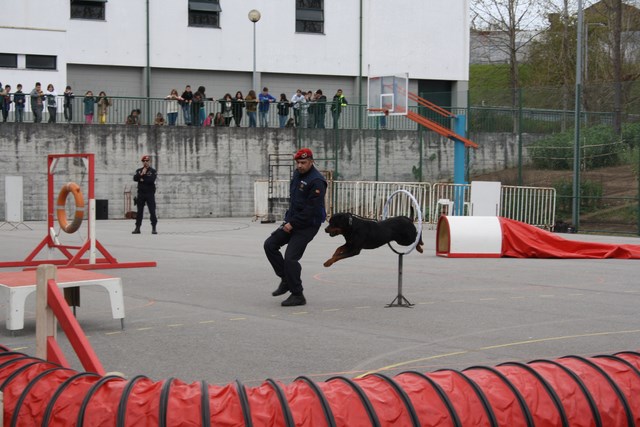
(146, 179)
(302, 221)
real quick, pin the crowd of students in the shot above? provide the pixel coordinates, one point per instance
(305, 109)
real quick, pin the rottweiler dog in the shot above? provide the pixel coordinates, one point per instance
(362, 233)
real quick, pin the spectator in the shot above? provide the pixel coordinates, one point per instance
(89, 102)
(19, 99)
(339, 101)
(304, 110)
(68, 104)
(198, 111)
(187, 97)
(159, 121)
(238, 105)
(296, 101)
(5, 101)
(52, 103)
(265, 99)
(252, 105)
(219, 120)
(37, 102)
(209, 121)
(226, 107)
(134, 117)
(103, 107)
(320, 109)
(173, 107)
(283, 109)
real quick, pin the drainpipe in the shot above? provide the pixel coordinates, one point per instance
(148, 70)
(360, 73)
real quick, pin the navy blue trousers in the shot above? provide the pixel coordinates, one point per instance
(150, 200)
(288, 267)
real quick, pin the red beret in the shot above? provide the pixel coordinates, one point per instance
(303, 153)
(145, 157)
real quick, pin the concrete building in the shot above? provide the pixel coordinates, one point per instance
(143, 48)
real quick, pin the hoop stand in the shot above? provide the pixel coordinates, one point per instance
(90, 245)
(400, 300)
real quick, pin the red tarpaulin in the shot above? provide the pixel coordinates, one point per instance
(520, 240)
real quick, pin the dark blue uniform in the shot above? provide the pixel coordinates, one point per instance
(146, 195)
(306, 214)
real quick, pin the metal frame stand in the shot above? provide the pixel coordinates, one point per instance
(400, 300)
(91, 245)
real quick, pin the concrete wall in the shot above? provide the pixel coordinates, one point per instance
(211, 172)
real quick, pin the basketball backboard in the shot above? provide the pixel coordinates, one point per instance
(387, 95)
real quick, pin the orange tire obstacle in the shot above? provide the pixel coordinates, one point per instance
(73, 188)
(570, 391)
(91, 245)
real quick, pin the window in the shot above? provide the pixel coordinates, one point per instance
(204, 13)
(88, 9)
(310, 16)
(8, 60)
(41, 62)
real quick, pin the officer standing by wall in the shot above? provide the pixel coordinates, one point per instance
(301, 223)
(146, 179)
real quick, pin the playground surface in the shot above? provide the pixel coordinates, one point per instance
(206, 311)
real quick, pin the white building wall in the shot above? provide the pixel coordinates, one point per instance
(428, 39)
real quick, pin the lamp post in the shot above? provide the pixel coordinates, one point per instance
(575, 217)
(254, 16)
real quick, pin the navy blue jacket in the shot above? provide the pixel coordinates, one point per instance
(146, 183)
(306, 204)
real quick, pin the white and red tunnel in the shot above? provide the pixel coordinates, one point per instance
(569, 391)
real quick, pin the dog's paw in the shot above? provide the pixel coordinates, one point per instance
(328, 263)
(419, 248)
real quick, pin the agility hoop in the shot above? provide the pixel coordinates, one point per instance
(400, 300)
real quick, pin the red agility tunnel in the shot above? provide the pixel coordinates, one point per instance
(570, 391)
(495, 237)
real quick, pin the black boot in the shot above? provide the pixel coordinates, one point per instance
(294, 300)
(283, 288)
(137, 230)
(153, 229)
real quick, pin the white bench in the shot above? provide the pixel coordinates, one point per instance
(20, 284)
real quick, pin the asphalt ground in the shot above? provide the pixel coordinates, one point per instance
(206, 311)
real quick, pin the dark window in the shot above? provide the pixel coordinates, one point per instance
(8, 60)
(41, 62)
(309, 16)
(204, 13)
(88, 9)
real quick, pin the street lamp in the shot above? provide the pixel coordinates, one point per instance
(254, 16)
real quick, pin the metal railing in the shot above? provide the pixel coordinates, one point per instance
(532, 205)
(367, 198)
(353, 116)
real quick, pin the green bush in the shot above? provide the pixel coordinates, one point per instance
(552, 152)
(631, 134)
(600, 147)
(590, 197)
